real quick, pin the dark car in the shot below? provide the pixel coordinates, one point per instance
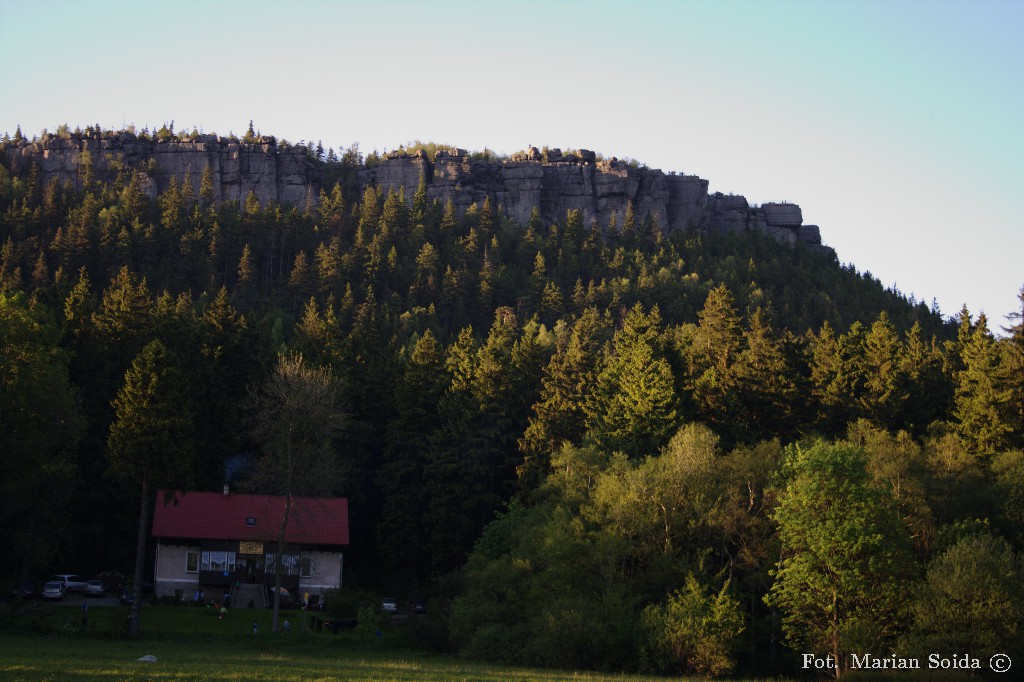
(28, 589)
(113, 581)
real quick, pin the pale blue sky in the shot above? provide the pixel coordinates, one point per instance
(897, 125)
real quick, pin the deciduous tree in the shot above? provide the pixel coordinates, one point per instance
(841, 580)
(295, 417)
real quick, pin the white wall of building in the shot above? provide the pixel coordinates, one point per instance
(170, 574)
(325, 572)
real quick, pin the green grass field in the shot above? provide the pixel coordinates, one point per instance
(46, 643)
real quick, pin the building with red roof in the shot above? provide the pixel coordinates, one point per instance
(211, 541)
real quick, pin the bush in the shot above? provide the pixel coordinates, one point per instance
(347, 603)
(694, 629)
(369, 623)
(971, 600)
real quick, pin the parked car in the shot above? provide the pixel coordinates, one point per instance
(71, 582)
(28, 590)
(389, 605)
(54, 590)
(113, 580)
(95, 588)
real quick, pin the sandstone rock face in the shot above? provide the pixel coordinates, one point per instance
(809, 234)
(782, 215)
(726, 213)
(283, 175)
(600, 189)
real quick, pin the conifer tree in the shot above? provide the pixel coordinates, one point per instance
(932, 391)
(126, 311)
(78, 304)
(206, 186)
(835, 376)
(328, 266)
(151, 443)
(1013, 350)
(41, 426)
(569, 379)
(318, 334)
(418, 216)
(246, 274)
(300, 281)
(886, 387)
(402, 530)
(449, 219)
(456, 471)
(369, 212)
(635, 408)
(765, 380)
(982, 403)
(394, 216)
(41, 271)
(712, 359)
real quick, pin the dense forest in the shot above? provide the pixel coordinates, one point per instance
(593, 446)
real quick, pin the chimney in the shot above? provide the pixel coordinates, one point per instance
(226, 490)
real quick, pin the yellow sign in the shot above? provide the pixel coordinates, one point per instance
(250, 548)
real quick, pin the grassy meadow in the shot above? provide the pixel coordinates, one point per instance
(46, 643)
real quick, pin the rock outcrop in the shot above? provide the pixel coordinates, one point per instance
(600, 189)
(273, 173)
(553, 181)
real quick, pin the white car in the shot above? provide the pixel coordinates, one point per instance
(389, 605)
(53, 590)
(71, 582)
(95, 588)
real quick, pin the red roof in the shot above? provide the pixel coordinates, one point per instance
(216, 516)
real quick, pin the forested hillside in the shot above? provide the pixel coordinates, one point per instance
(618, 447)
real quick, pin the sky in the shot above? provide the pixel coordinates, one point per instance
(896, 125)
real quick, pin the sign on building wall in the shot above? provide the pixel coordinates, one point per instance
(250, 548)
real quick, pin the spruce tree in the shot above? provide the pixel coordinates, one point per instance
(712, 358)
(634, 408)
(402, 531)
(982, 401)
(150, 445)
(568, 382)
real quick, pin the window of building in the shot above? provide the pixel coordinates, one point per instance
(217, 561)
(291, 564)
(192, 562)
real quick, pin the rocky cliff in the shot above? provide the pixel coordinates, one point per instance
(274, 173)
(553, 182)
(557, 183)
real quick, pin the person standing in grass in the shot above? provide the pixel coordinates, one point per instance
(85, 613)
